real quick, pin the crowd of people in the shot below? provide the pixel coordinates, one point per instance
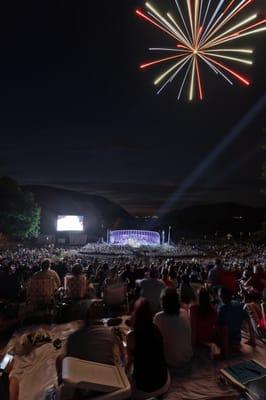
(166, 250)
(176, 306)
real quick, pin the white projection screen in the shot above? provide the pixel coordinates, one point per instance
(70, 223)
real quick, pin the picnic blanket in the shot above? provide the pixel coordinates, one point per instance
(37, 373)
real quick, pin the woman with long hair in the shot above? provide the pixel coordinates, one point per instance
(145, 354)
(203, 320)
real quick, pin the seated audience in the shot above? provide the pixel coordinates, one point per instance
(231, 315)
(151, 288)
(174, 326)
(145, 354)
(152, 344)
(203, 320)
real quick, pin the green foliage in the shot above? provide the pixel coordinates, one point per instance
(19, 214)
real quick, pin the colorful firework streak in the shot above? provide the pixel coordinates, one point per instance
(203, 32)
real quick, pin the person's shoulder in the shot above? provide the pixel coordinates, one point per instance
(183, 314)
(53, 272)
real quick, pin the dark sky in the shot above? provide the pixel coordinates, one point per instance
(77, 112)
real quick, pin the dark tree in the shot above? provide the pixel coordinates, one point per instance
(19, 214)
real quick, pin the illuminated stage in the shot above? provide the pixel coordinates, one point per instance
(134, 238)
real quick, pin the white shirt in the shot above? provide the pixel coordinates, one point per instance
(176, 333)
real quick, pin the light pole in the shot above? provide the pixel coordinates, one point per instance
(169, 234)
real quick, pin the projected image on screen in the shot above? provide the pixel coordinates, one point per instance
(70, 223)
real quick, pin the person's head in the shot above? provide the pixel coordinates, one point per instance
(218, 263)
(170, 301)
(112, 273)
(94, 313)
(142, 316)
(77, 269)
(46, 264)
(224, 295)
(204, 301)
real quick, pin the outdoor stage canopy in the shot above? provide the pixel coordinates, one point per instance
(134, 238)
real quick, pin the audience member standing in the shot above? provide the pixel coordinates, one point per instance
(151, 289)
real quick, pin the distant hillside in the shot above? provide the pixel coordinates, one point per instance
(221, 217)
(99, 212)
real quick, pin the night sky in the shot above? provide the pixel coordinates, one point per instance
(77, 112)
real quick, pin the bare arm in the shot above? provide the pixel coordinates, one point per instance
(13, 388)
(130, 350)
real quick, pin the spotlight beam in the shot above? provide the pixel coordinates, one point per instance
(211, 158)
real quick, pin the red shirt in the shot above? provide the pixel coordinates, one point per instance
(228, 280)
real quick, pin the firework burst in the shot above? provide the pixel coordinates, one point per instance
(203, 31)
